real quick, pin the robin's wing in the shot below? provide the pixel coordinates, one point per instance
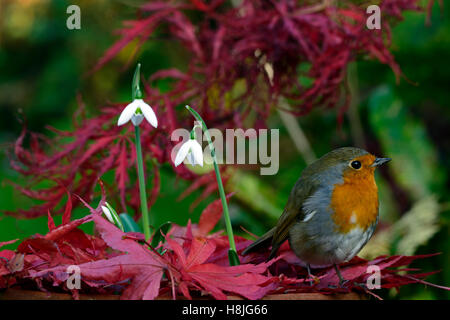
(293, 212)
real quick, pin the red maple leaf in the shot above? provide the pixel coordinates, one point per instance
(143, 267)
(194, 262)
(292, 276)
(194, 272)
(6, 256)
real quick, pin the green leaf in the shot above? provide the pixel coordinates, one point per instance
(157, 236)
(129, 225)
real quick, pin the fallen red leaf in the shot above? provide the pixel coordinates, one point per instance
(195, 263)
(141, 266)
(194, 273)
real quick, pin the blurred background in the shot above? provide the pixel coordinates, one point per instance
(44, 66)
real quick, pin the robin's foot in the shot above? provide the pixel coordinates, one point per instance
(342, 285)
(342, 281)
(313, 279)
(361, 284)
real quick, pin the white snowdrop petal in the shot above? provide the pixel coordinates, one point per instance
(127, 113)
(191, 159)
(197, 152)
(182, 153)
(108, 214)
(149, 114)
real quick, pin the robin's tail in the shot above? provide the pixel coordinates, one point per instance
(262, 242)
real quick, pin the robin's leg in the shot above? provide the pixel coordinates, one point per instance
(342, 281)
(314, 279)
(308, 267)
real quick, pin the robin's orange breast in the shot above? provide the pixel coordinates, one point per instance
(355, 202)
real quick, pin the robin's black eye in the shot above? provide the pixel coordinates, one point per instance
(355, 165)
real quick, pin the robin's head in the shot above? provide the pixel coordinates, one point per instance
(362, 167)
(346, 162)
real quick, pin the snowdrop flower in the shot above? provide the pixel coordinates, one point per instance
(191, 150)
(108, 214)
(136, 111)
(112, 216)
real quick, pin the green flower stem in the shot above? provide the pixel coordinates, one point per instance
(232, 253)
(143, 193)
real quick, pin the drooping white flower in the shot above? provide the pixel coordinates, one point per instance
(108, 214)
(131, 113)
(192, 151)
(112, 215)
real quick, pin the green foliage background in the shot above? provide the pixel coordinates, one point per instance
(43, 66)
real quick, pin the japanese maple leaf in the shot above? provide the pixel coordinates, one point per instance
(356, 271)
(62, 245)
(6, 257)
(139, 264)
(209, 218)
(246, 280)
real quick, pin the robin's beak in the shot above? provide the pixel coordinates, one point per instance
(380, 161)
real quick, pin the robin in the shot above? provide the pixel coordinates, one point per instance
(332, 210)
